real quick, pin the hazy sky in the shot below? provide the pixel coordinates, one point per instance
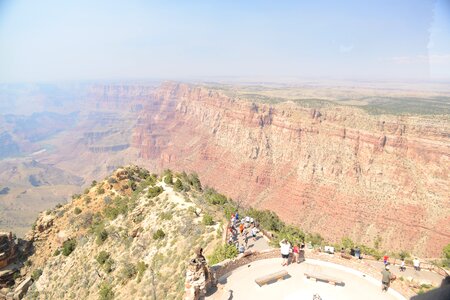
(71, 40)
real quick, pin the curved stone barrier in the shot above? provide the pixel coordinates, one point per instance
(245, 258)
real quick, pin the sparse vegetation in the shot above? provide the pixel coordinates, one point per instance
(36, 274)
(154, 191)
(141, 267)
(208, 220)
(102, 257)
(105, 291)
(159, 234)
(68, 247)
(221, 253)
(128, 271)
(77, 210)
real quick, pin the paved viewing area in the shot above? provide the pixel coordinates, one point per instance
(240, 283)
(359, 277)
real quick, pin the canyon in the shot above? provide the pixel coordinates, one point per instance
(327, 166)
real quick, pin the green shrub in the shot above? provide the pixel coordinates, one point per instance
(347, 243)
(446, 251)
(57, 252)
(159, 235)
(102, 257)
(100, 191)
(154, 191)
(195, 182)
(108, 265)
(168, 179)
(178, 186)
(86, 191)
(105, 291)
(36, 274)
(208, 220)
(165, 216)
(222, 252)
(141, 267)
(128, 271)
(214, 197)
(404, 254)
(94, 183)
(101, 236)
(68, 247)
(77, 210)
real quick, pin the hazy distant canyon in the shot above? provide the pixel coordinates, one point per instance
(338, 167)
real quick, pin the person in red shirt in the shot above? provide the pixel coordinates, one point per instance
(296, 251)
(385, 259)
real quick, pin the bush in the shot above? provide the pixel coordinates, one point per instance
(178, 186)
(141, 268)
(36, 274)
(68, 247)
(101, 236)
(222, 252)
(86, 191)
(214, 197)
(166, 216)
(292, 234)
(168, 179)
(154, 191)
(159, 235)
(102, 257)
(77, 210)
(112, 180)
(100, 191)
(195, 182)
(347, 243)
(208, 220)
(108, 265)
(128, 271)
(94, 183)
(105, 291)
(446, 251)
(57, 252)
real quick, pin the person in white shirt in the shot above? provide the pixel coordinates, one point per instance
(402, 266)
(416, 263)
(285, 249)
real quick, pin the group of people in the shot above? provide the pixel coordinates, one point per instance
(416, 263)
(246, 228)
(298, 252)
(387, 276)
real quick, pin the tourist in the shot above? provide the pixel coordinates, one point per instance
(241, 228)
(241, 248)
(296, 251)
(385, 259)
(301, 253)
(254, 232)
(236, 215)
(402, 265)
(386, 278)
(416, 264)
(285, 249)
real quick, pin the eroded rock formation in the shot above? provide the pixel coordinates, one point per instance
(335, 170)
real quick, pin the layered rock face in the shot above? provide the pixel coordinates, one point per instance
(336, 171)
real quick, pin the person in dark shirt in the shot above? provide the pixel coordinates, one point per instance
(386, 279)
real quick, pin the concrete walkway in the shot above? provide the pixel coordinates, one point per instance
(240, 283)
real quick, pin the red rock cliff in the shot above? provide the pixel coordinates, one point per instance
(336, 171)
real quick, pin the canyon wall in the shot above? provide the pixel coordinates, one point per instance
(336, 171)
